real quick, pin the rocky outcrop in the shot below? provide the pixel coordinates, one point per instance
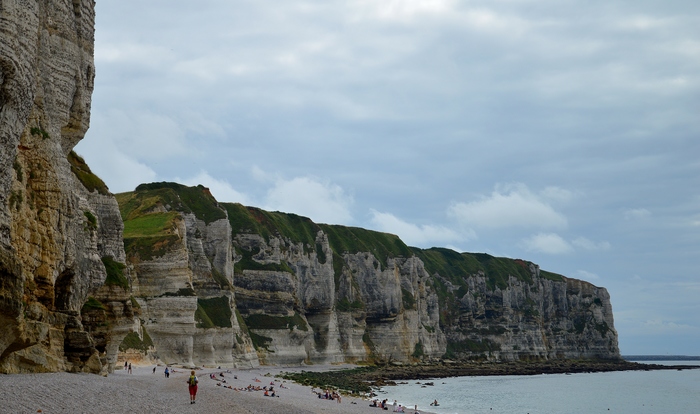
(544, 319)
(58, 222)
(178, 244)
(299, 292)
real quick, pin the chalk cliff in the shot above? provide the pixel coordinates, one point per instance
(59, 225)
(280, 289)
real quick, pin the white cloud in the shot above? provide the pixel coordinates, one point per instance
(586, 244)
(658, 325)
(549, 243)
(636, 213)
(416, 235)
(143, 135)
(134, 53)
(121, 172)
(509, 206)
(402, 10)
(558, 194)
(585, 275)
(322, 202)
(643, 23)
(220, 189)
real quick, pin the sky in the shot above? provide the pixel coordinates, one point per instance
(563, 132)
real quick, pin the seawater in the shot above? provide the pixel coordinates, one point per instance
(623, 392)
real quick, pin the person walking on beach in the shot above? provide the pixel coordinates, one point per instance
(129, 368)
(192, 385)
(167, 373)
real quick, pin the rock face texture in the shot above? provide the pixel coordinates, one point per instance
(224, 284)
(178, 243)
(58, 222)
(169, 270)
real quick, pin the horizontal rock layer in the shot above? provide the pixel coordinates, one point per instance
(59, 226)
(300, 292)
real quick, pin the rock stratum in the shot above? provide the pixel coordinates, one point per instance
(60, 227)
(169, 272)
(221, 283)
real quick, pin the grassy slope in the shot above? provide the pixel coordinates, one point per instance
(150, 214)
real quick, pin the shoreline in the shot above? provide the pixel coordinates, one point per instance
(144, 390)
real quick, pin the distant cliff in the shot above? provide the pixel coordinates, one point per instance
(64, 299)
(220, 283)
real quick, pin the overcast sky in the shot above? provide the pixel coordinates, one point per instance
(564, 132)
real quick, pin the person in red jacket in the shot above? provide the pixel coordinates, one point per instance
(192, 381)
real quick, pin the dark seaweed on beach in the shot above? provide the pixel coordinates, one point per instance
(362, 380)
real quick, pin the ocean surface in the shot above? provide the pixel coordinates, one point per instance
(624, 392)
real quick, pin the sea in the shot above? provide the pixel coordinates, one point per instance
(623, 392)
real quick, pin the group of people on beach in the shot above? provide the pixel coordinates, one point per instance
(397, 408)
(328, 395)
(268, 391)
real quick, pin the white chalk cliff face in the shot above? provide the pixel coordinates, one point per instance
(182, 278)
(289, 291)
(58, 222)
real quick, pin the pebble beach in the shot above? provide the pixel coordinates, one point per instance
(145, 391)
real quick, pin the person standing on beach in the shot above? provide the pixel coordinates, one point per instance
(192, 385)
(129, 368)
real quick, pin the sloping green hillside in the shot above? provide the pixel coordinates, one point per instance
(150, 215)
(342, 239)
(149, 198)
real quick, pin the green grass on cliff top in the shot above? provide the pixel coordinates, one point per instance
(269, 224)
(148, 198)
(296, 228)
(455, 266)
(150, 225)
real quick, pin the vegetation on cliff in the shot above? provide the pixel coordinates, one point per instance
(85, 176)
(115, 273)
(213, 312)
(460, 296)
(165, 196)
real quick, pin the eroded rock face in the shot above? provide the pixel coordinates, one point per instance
(182, 292)
(391, 308)
(321, 294)
(53, 230)
(541, 320)
(365, 316)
